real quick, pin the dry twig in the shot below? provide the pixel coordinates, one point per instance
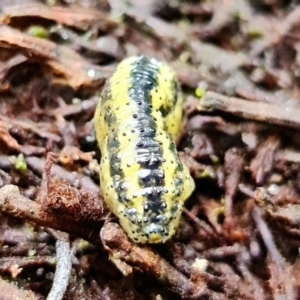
(63, 269)
(256, 111)
(126, 255)
(18, 206)
(281, 281)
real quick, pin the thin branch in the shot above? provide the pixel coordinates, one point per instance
(38, 165)
(18, 206)
(282, 282)
(258, 111)
(126, 254)
(63, 269)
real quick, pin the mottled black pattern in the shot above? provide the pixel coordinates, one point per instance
(148, 150)
(149, 153)
(113, 145)
(175, 92)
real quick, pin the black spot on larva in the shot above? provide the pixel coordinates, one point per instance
(174, 209)
(135, 116)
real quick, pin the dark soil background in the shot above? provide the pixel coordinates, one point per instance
(239, 66)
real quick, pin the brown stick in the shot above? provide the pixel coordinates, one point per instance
(123, 252)
(63, 269)
(258, 111)
(18, 206)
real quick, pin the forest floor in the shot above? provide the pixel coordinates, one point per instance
(238, 63)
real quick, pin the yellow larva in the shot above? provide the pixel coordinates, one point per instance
(142, 179)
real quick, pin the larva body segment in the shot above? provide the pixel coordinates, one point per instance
(142, 179)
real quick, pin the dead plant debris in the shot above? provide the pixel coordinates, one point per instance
(238, 63)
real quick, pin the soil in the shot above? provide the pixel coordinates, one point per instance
(238, 63)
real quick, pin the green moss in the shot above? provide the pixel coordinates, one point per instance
(20, 163)
(38, 31)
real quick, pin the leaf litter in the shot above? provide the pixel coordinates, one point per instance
(238, 63)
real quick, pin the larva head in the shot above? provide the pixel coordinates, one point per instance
(150, 226)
